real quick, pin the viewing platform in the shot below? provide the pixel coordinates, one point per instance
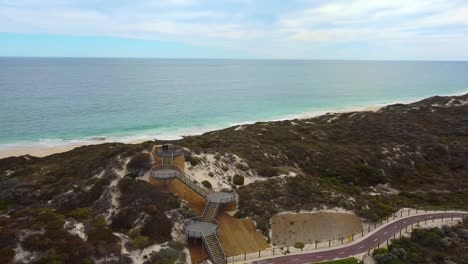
(196, 228)
(222, 197)
(169, 151)
(162, 172)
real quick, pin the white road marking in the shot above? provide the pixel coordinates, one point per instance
(361, 247)
(375, 239)
(341, 253)
(319, 256)
(394, 227)
(404, 222)
(295, 259)
(385, 233)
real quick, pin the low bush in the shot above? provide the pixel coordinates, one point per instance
(139, 162)
(267, 171)
(238, 179)
(207, 184)
(194, 161)
(141, 242)
(6, 255)
(79, 213)
(299, 245)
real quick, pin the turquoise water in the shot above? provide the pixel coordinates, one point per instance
(58, 100)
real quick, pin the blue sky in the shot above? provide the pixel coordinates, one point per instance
(294, 29)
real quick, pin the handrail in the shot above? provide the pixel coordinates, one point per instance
(216, 233)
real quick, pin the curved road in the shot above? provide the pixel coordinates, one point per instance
(360, 247)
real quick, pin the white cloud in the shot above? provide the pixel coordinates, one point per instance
(290, 28)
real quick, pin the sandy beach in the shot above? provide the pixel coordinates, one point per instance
(42, 150)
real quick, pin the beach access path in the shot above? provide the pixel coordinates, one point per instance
(362, 246)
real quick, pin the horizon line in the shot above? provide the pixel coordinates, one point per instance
(201, 58)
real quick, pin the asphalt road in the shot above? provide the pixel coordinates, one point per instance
(360, 247)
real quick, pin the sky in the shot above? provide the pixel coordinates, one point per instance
(245, 29)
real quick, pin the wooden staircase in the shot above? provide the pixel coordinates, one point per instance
(214, 249)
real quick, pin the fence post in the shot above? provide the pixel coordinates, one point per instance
(273, 251)
(362, 233)
(245, 256)
(316, 244)
(329, 243)
(352, 238)
(342, 238)
(259, 253)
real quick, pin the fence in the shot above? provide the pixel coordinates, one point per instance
(285, 250)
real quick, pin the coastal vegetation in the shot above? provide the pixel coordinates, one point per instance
(371, 163)
(435, 245)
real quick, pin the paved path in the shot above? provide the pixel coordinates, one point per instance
(360, 247)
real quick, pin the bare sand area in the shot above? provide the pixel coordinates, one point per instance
(287, 229)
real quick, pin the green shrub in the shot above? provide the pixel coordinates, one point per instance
(50, 258)
(166, 256)
(238, 179)
(140, 161)
(173, 202)
(299, 245)
(267, 171)
(380, 251)
(158, 228)
(3, 205)
(194, 161)
(176, 245)
(6, 255)
(80, 213)
(134, 233)
(342, 261)
(207, 184)
(242, 167)
(141, 242)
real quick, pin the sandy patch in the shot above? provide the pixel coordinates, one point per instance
(218, 169)
(307, 228)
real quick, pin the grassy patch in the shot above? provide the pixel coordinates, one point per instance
(343, 261)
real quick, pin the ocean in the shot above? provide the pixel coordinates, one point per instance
(60, 100)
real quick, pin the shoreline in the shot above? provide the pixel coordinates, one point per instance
(49, 147)
(43, 149)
